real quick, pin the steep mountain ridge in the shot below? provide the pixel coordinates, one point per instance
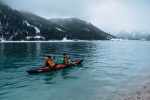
(15, 25)
(82, 29)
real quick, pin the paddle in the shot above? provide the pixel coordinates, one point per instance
(54, 61)
(54, 56)
(69, 58)
(68, 55)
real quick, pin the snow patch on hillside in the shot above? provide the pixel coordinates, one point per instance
(133, 34)
(16, 33)
(59, 29)
(36, 37)
(37, 29)
(78, 21)
(66, 40)
(128, 31)
(86, 29)
(28, 37)
(2, 40)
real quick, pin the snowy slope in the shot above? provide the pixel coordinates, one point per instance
(132, 34)
(18, 26)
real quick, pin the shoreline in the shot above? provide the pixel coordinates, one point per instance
(62, 41)
(141, 94)
(49, 41)
(36, 41)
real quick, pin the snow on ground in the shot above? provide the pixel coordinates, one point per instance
(65, 39)
(11, 37)
(38, 37)
(86, 29)
(27, 23)
(2, 40)
(116, 39)
(78, 21)
(59, 29)
(16, 33)
(28, 37)
(37, 29)
(128, 31)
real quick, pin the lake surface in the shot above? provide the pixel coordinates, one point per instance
(110, 70)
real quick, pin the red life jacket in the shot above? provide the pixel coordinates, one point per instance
(46, 63)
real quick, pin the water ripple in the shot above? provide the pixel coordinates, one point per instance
(109, 69)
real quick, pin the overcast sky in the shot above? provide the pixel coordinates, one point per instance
(107, 15)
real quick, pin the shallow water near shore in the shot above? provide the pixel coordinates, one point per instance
(110, 70)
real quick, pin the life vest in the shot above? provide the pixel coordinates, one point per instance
(46, 62)
(62, 60)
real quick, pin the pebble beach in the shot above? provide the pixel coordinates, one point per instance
(141, 94)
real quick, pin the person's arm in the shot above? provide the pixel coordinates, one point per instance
(66, 61)
(50, 63)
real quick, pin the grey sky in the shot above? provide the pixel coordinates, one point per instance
(107, 15)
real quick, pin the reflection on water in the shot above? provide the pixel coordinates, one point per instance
(109, 70)
(49, 78)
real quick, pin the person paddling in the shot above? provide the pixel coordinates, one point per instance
(64, 59)
(48, 62)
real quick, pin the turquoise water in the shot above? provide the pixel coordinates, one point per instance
(110, 70)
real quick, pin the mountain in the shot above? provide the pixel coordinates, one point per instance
(18, 25)
(79, 29)
(148, 37)
(132, 34)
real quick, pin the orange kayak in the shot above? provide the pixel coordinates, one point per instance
(57, 67)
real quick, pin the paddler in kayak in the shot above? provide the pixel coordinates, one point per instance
(48, 62)
(64, 60)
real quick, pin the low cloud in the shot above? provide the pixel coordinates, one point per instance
(108, 15)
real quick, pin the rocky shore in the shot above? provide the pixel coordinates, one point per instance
(142, 94)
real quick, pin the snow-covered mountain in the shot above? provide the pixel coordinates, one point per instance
(79, 28)
(15, 25)
(132, 34)
(148, 37)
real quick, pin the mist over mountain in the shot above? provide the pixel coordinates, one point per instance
(19, 25)
(148, 37)
(81, 29)
(132, 34)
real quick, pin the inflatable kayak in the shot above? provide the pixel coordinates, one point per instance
(57, 67)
